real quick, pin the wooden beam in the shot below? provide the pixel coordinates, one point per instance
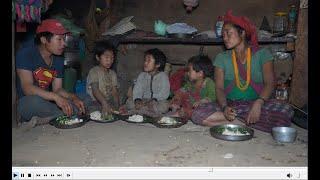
(14, 95)
(299, 86)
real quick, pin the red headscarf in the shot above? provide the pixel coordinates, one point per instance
(245, 23)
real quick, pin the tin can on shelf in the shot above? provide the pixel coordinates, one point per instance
(280, 22)
(219, 25)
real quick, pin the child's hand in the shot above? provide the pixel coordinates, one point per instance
(174, 107)
(106, 109)
(204, 101)
(196, 104)
(122, 110)
(151, 103)
(138, 104)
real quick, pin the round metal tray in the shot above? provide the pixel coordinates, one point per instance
(216, 132)
(146, 119)
(180, 122)
(116, 117)
(63, 126)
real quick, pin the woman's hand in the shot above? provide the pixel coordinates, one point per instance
(254, 113)
(229, 113)
(64, 105)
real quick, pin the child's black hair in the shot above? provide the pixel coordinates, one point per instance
(159, 57)
(202, 63)
(101, 47)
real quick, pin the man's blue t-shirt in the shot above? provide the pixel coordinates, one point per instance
(29, 58)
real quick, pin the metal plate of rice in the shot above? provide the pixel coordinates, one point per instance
(231, 132)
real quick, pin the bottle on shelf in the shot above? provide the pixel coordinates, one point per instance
(292, 19)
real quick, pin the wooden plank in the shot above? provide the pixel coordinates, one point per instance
(299, 86)
(14, 95)
(142, 37)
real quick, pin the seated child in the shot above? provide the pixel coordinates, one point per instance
(194, 100)
(152, 88)
(178, 78)
(102, 83)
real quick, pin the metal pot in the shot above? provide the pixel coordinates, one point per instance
(71, 41)
(284, 134)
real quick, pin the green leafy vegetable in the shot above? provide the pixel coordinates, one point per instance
(109, 117)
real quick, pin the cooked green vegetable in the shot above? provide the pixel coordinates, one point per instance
(243, 130)
(63, 119)
(220, 130)
(108, 117)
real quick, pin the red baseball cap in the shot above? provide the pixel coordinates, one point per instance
(53, 26)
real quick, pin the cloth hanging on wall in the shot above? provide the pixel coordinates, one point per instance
(29, 10)
(21, 27)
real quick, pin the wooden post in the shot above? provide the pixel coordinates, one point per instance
(14, 95)
(299, 86)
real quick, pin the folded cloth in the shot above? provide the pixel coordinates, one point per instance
(180, 28)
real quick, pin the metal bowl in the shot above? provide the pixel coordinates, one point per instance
(284, 134)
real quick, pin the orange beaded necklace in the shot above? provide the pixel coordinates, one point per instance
(236, 70)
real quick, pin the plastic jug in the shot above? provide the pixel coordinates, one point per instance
(160, 27)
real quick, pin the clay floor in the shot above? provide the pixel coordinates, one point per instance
(126, 144)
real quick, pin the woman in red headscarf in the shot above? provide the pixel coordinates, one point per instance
(244, 79)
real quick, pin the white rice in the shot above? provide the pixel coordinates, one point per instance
(135, 118)
(167, 120)
(234, 133)
(96, 115)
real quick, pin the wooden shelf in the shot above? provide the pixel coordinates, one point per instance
(141, 37)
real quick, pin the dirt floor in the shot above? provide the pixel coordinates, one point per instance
(126, 144)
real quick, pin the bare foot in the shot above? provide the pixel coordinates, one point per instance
(43, 121)
(26, 126)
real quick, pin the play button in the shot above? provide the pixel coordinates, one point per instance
(15, 175)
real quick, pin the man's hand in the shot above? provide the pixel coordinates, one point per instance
(64, 105)
(80, 105)
(254, 113)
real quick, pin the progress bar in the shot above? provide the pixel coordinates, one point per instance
(189, 173)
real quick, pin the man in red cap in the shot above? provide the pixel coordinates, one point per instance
(40, 74)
